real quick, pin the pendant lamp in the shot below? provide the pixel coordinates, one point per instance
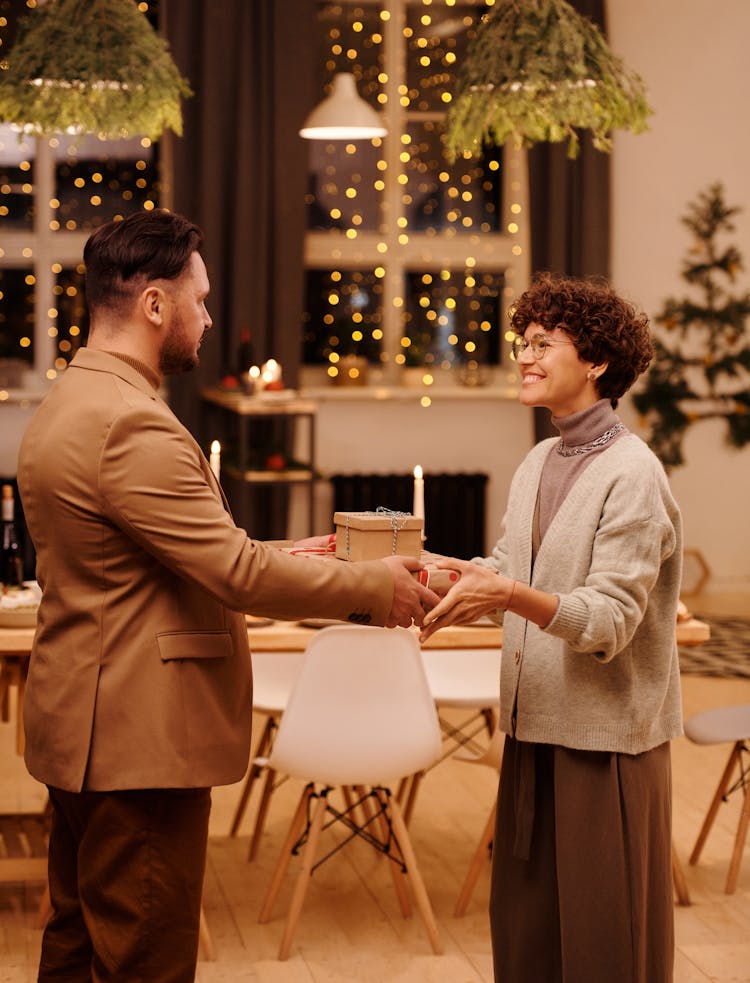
(91, 66)
(343, 114)
(538, 71)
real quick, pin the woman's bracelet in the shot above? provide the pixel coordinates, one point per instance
(510, 599)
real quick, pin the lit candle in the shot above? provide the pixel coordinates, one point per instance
(418, 508)
(215, 458)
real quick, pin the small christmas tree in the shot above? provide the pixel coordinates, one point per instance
(701, 369)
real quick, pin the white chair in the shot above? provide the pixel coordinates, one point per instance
(360, 715)
(274, 675)
(468, 679)
(464, 679)
(730, 725)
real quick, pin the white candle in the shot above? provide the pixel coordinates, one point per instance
(418, 508)
(270, 372)
(215, 459)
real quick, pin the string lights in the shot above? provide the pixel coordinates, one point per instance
(402, 189)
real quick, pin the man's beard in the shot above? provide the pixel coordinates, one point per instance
(176, 354)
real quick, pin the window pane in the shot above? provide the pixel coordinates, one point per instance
(436, 39)
(342, 316)
(345, 177)
(465, 196)
(72, 316)
(345, 185)
(16, 180)
(452, 319)
(17, 314)
(350, 39)
(98, 180)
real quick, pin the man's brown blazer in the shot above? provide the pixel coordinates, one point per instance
(140, 672)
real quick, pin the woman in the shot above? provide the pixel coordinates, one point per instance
(588, 573)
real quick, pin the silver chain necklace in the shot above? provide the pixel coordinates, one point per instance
(592, 445)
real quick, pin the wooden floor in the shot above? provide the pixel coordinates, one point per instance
(351, 928)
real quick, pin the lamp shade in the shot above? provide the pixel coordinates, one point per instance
(538, 71)
(90, 66)
(343, 115)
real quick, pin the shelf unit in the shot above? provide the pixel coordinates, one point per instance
(279, 411)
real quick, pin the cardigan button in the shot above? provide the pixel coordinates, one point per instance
(517, 657)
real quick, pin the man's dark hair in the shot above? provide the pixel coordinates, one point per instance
(123, 256)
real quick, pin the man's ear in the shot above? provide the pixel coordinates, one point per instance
(152, 304)
(597, 370)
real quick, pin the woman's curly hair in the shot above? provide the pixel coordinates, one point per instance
(602, 326)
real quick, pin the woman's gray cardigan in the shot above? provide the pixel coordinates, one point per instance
(603, 675)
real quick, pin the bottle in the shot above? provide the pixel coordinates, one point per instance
(11, 566)
(245, 352)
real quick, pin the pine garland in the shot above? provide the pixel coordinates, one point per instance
(536, 71)
(91, 66)
(703, 372)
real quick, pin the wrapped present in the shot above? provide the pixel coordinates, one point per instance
(373, 535)
(437, 579)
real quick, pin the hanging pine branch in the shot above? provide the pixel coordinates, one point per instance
(701, 368)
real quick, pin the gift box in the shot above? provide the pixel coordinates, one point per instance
(438, 580)
(373, 535)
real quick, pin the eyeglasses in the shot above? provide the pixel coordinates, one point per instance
(538, 345)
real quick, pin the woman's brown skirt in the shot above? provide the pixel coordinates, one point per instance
(581, 875)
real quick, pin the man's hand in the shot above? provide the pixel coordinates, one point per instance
(315, 544)
(478, 591)
(410, 599)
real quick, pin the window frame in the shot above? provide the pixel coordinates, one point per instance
(487, 252)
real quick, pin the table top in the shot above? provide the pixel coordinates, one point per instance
(281, 403)
(280, 636)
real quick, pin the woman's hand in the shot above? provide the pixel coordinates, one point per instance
(478, 591)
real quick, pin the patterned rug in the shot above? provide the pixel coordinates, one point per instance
(726, 653)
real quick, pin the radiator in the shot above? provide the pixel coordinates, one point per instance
(454, 505)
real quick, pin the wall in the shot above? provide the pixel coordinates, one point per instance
(461, 431)
(693, 56)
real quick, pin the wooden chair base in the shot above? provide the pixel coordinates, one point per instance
(390, 815)
(722, 791)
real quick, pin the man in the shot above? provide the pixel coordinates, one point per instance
(139, 692)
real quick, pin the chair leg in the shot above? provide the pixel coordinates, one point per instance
(260, 817)
(408, 809)
(45, 907)
(739, 840)
(478, 861)
(420, 893)
(296, 827)
(263, 744)
(205, 942)
(303, 880)
(678, 878)
(399, 881)
(489, 719)
(715, 803)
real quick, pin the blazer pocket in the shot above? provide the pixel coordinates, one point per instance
(194, 645)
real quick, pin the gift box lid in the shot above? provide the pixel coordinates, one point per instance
(375, 521)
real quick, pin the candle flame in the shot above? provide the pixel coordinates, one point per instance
(215, 447)
(418, 471)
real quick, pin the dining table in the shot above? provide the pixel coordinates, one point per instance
(267, 635)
